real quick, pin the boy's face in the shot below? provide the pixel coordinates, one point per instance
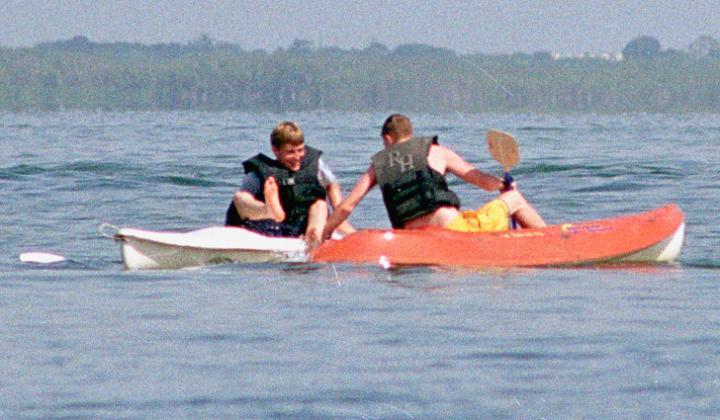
(290, 155)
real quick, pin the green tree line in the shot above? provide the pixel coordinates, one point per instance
(207, 75)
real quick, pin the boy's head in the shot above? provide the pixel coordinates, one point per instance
(286, 132)
(396, 128)
(288, 144)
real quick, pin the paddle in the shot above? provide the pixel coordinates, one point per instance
(40, 257)
(504, 149)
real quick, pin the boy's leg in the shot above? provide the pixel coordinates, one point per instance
(272, 199)
(521, 210)
(317, 217)
(248, 207)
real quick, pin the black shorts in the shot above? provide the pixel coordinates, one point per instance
(267, 227)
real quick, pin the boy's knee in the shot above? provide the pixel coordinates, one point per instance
(514, 200)
(319, 206)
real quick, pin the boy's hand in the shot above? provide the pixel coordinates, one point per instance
(313, 238)
(508, 183)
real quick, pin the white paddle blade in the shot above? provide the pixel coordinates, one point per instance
(503, 148)
(40, 257)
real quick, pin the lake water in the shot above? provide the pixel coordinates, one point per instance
(85, 339)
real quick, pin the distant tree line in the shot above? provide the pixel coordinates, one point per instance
(210, 75)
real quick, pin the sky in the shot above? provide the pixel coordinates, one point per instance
(491, 27)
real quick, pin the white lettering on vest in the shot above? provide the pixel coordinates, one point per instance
(405, 162)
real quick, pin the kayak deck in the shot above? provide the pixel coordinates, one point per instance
(652, 236)
(144, 249)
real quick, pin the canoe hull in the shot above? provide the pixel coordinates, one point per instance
(654, 236)
(145, 250)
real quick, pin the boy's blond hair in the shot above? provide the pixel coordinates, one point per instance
(286, 132)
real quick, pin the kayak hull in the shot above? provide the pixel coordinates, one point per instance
(655, 236)
(145, 250)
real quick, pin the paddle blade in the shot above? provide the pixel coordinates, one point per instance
(503, 148)
(40, 257)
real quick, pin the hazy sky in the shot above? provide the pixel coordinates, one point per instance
(566, 26)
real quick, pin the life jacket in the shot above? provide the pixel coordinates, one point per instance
(298, 190)
(410, 187)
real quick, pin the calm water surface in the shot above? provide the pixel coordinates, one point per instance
(82, 338)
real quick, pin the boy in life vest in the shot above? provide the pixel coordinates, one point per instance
(411, 174)
(286, 196)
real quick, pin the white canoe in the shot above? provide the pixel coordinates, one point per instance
(145, 249)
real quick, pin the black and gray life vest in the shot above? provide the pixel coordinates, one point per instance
(298, 190)
(410, 187)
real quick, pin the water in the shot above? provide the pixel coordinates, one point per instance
(83, 338)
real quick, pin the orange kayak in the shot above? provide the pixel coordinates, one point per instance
(652, 236)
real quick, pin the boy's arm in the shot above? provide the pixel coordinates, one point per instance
(470, 174)
(335, 196)
(344, 208)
